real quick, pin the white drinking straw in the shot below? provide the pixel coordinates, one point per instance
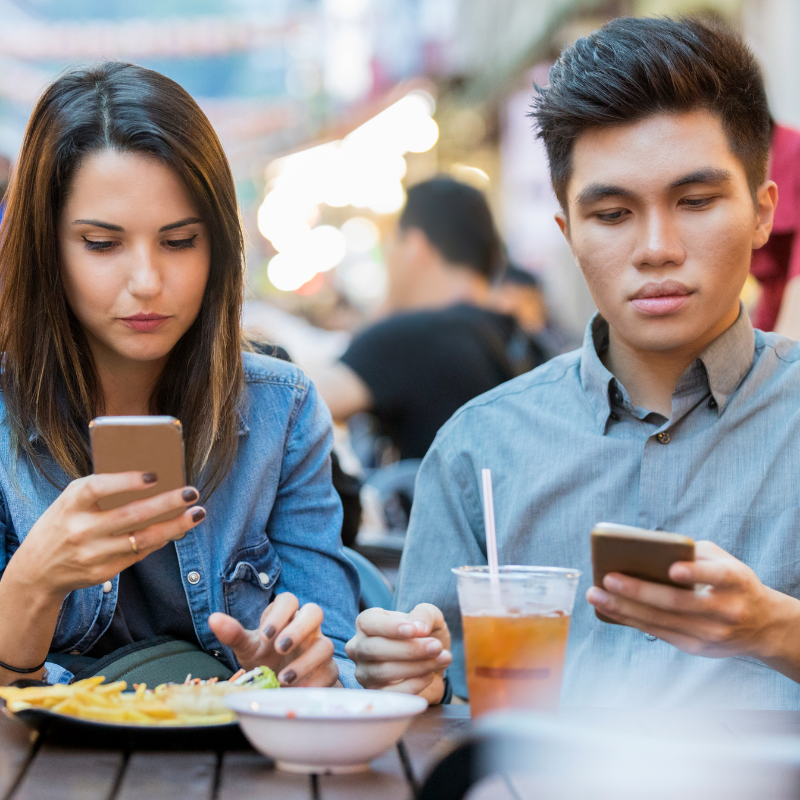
(491, 536)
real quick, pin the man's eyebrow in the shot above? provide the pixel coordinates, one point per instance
(708, 175)
(96, 223)
(179, 224)
(595, 192)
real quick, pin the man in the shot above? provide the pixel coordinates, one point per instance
(674, 415)
(441, 347)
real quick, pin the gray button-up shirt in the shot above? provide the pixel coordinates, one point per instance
(567, 449)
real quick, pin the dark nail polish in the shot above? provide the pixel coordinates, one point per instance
(149, 477)
(289, 677)
(269, 631)
(199, 515)
(189, 495)
(285, 644)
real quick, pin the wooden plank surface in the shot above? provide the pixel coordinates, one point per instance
(171, 776)
(60, 773)
(432, 735)
(250, 776)
(386, 779)
(15, 745)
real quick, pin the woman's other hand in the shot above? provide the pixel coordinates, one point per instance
(74, 544)
(289, 641)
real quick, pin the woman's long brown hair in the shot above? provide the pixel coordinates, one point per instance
(49, 382)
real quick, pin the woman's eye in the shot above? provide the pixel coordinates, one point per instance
(95, 246)
(180, 244)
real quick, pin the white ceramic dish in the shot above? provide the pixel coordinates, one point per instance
(324, 730)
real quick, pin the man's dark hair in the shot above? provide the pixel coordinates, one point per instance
(457, 221)
(633, 68)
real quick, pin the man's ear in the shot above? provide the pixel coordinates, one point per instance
(563, 222)
(767, 199)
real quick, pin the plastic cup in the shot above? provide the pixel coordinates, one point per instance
(516, 624)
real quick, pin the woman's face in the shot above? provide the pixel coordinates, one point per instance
(135, 256)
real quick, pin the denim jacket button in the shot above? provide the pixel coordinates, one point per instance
(107, 587)
(193, 578)
(216, 653)
(263, 577)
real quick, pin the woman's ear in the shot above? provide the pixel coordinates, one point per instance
(767, 200)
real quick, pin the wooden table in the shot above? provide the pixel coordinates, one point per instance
(34, 769)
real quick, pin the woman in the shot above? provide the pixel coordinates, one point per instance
(121, 282)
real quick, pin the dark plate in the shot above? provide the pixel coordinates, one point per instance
(66, 730)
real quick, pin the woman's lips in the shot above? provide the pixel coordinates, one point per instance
(144, 324)
(657, 306)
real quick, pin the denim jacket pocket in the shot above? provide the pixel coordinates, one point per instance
(249, 585)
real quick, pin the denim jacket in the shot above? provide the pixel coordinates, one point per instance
(273, 525)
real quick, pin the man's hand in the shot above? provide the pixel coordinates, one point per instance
(730, 613)
(402, 652)
(289, 641)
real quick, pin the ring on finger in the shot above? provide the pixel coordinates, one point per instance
(134, 546)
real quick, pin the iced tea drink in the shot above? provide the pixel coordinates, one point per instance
(515, 635)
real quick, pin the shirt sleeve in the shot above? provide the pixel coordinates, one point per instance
(53, 673)
(305, 528)
(444, 532)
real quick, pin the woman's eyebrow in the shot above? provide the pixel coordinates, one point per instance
(96, 223)
(179, 224)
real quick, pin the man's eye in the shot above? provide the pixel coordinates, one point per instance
(697, 202)
(611, 216)
(96, 246)
(180, 244)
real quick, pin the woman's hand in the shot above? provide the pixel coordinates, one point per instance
(289, 641)
(74, 544)
(402, 652)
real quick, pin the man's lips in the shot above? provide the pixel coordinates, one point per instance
(144, 322)
(658, 298)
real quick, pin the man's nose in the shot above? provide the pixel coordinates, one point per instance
(658, 241)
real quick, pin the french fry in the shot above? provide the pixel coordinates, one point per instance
(91, 699)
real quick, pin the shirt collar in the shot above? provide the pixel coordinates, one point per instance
(720, 368)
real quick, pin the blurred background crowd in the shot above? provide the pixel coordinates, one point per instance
(401, 305)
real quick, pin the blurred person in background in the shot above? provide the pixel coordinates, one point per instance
(776, 266)
(519, 293)
(442, 345)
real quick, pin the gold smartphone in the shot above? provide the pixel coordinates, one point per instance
(141, 444)
(637, 552)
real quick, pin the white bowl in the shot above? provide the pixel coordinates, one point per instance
(324, 730)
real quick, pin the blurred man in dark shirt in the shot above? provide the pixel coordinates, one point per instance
(441, 346)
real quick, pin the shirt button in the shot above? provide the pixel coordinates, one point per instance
(107, 587)
(712, 403)
(193, 578)
(216, 653)
(663, 437)
(263, 577)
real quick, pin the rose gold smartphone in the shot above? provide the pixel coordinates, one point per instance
(637, 552)
(141, 444)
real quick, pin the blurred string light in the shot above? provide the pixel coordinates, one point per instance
(363, 170)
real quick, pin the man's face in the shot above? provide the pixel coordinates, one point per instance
(662, 224)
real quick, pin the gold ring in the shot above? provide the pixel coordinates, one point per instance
(134, 546)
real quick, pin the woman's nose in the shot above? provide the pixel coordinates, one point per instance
(145, 278)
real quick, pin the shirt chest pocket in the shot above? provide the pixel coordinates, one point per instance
(249, 584)
(769, 545)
